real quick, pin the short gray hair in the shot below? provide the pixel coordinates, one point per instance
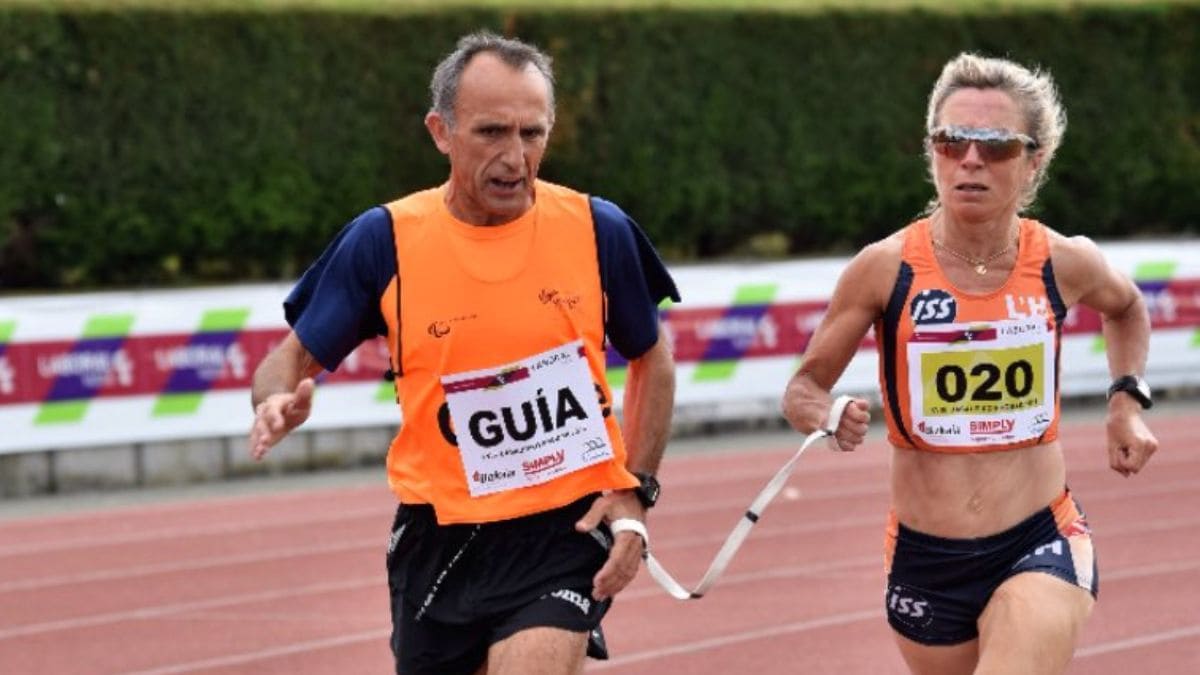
(1034, 92)
(515, 53)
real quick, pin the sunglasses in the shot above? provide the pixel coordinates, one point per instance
(993, 145)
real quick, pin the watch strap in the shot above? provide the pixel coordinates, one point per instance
(1135, 386)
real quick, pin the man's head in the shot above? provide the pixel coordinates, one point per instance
(493, 107)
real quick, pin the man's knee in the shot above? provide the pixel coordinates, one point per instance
(540, 650)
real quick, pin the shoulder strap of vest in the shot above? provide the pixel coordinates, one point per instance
(397, 369)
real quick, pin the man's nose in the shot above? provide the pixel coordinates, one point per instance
(513, 150)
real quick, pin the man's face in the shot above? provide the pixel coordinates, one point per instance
(501, 125)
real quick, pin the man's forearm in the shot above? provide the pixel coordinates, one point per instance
(282, 370)
(648, 404)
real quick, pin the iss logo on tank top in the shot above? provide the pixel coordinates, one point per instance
(931, 306)
(528, 422)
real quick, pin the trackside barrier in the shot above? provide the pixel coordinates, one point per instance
(115, 368)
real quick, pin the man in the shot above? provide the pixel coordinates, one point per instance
(496, 292)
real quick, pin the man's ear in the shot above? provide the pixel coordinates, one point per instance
(439, 130)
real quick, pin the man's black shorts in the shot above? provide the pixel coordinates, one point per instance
(458, 589)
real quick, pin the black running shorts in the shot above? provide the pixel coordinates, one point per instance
(938, 587)
(458, 589)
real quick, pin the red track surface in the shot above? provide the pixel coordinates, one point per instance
(293, 583)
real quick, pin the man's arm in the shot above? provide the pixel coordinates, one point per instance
(281, 393)
(649, 402)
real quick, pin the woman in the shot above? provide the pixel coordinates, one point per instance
(989, 558)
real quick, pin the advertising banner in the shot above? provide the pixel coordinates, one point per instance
(116, 368)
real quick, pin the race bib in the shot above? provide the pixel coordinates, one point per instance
(528, 422)
(982, 384)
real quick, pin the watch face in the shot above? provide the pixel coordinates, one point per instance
(648, 491)
(1135, 387)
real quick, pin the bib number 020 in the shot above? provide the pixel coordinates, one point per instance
(984, 382)
(981, 380)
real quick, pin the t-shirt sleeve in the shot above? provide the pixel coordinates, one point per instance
(335, 305)
(633, 277)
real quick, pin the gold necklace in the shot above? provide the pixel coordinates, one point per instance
(980, 264)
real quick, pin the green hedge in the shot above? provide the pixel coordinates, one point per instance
(162, 148)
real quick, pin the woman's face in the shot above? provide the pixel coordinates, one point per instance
(975, 187)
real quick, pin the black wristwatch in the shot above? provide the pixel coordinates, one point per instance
(1135, 387)
(647, 493)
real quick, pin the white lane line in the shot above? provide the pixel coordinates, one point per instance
(190, 565)
(809, 495)
(283, 650)
(826, 569)
(175, 533)
(765, 531)
(1172, 567)
(225, 601)
(692, 647)
(1138, 641)
(828, 621)
(155, 611)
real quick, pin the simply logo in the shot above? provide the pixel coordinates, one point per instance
(933, 305)
(992, 427)
(544, 463)
(577, 599)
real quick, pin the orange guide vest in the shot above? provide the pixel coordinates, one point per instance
(501, 360)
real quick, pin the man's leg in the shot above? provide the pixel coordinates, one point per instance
(538, 651)
(1031, 624)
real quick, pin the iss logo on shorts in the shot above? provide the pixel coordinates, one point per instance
(909, 607)
(528, 422)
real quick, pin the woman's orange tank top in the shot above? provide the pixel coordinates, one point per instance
(500, 360)
(963, 372)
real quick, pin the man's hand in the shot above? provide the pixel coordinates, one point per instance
(1130, 442)
(276, 416)
(626, 553)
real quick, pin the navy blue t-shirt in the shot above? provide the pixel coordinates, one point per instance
(335, 305)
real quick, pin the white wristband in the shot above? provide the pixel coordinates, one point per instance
(630, 525)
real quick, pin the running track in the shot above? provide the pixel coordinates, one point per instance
(292, 582)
